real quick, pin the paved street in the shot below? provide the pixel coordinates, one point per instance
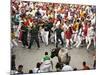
(29, 58)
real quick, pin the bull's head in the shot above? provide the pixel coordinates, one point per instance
(54, 52)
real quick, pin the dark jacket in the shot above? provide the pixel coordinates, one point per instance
(48, 26)
(58, 32)
(34, 31)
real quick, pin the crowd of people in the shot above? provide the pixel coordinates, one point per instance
(52, 22)
(64, 25)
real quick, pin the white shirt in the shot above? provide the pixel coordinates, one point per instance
(90, 32)
(33, 12)
(65, 26)
(67, 68)
(45, 17)
(62, 15)
(57, 24)
(41, 11)
(36, 70)
(46, 66)
(31, 5)
(93, 21)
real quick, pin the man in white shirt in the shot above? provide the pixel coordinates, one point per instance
(67, 68)
(37, 69)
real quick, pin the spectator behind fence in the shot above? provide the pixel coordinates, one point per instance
(13, 64)
(37, 69)
(20, 69)
(47, 64)
(30, 71)
(85, 66)
(67, 67)
(58, 67)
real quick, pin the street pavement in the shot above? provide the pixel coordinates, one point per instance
(29, 57)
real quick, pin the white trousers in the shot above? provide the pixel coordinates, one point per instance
(62, 35)
(52, 38)
(89, 39)
(75, 37)
(46, 68)
(78, 42)
(68, 41)
(17, 31)
(14, 42)
(42, 35)
(55, 38)
(46, 34)
(11, 44)
(94, 40)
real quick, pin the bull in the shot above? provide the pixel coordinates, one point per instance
(62, 54)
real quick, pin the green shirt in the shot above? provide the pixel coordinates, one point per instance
(46, 58)
(58, 31)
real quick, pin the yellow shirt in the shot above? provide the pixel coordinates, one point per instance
(76, 26)
(82, 13)
(13, 35)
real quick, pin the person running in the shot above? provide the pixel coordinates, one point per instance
(34, 35)
(68, 36)
(24, 30)
(90, 35)
(58, 31)
(79, 37)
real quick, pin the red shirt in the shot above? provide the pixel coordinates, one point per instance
(85, 30)
(30, 19)
(52, 20)
(68, 34)
(26, 23)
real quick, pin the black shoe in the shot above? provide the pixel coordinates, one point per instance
(29, 48)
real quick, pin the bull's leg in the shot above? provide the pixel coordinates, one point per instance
(59, 59)
(61, 64)
(68, 58)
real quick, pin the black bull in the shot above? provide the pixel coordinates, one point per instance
(55, 52)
